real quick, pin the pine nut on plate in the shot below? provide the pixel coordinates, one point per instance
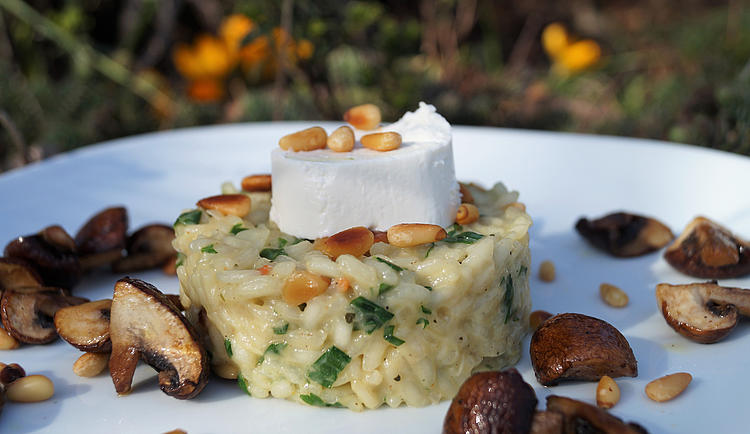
(90, 364)
(607, 392)
(32, 388)
(308, 139)
(668, 387)
(7, 342)
(547, 271)
(382, 142)
(537, 317)
(612, 295)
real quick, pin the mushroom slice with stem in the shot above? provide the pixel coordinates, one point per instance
(101, 240)
(144, 324)
(624, 234)
(571, 346)
(708, 250)
(492, 402)
(27, 312)
(86, 326)
(52, 253)
(702, 312)
(579, 417)
(148, 247)
(17, 273)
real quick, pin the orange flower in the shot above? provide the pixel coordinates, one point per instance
(206, 90)
(305, 49)
(233, 30)
(208, 57)
(568, 56)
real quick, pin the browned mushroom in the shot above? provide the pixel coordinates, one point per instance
(27, 312)
(571, 346)
(624, 234)
(52, 253)
(702, 312)
(708, 250)
(17, 273)
(579, 417)
(11, 373)
(148, 247)
(101, 240)
(547, 422)
(144, 324)
(86, 326)
(492, 402)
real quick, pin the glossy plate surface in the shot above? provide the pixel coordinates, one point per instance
(561, 177)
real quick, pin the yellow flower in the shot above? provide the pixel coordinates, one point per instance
(208, 57)
(233, 31)
(554, 39)
(568, 56)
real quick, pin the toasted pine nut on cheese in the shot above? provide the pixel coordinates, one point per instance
(353, 241)
(257, 182)
(363, 117)
(90, 364)
(414, 234)
(227, 204)
(382, 142)
(341, 139)
(607, 392)
(467, 213)
(32, 388)
(309, 139)
(302, 286)
(613, 295)
(7, 342)
(668, 387)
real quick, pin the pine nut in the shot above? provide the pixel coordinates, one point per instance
(538, 317)
(613, 295)
(466, 196)
(341, 139)
(256, 183)
(467, 213)
(363, 117)
(342, 284)
(227, 204)
(302, 286)
(7, 342)
(305, 140)
(11, 373)
(517, 205)
(668, 387)
(90, 364)
(353, 241)
(414, 234)
(382, 142)
(547, 271)
(33, 388)
(607, 392)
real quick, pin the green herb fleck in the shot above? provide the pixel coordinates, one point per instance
(508, 297)
(282, 243)
(236, 229)
(326, 369)
(432, 246)
(388, 336)
(429, 288)
(313, 399)
(395, 267)
(180, 259)
(454, 229)
(282, 329)
(424, 309)
(467, 237)
(189, 218)
(299, 240)
(423, 321)
(274, 348)
(208, 249)
(271, 254)
(243, 384)
(373, 315)
(384, 287)
(228, 346)
(522, 270)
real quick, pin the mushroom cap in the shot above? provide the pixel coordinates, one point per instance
(148, 247)
(27, 312)
(17, 273)
(101, 240)
(51, 253)
(492, 401)
(702, 312)
(581, 417)
(708, 250)
(624, 234)
(86, 326)
(572, 346)
(145, 324)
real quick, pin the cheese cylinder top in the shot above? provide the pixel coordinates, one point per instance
(319, 193)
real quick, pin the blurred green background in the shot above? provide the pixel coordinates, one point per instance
(74, 73)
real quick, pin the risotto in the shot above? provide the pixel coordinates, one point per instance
(410, 325)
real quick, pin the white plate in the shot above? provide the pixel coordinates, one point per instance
(560, 176)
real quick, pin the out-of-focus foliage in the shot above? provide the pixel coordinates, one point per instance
(78, 72)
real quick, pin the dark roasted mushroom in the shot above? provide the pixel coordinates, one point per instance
(547, 422)
(101, 240)
(11, 373)
(571, 346)
(623, 234)
(708, 250)
(702, 312)
(144, 324)
(492, 402)
(17, 273)
(148, 247)
(86, 326)
(27, 312)
(579, 417)
(52, 253)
